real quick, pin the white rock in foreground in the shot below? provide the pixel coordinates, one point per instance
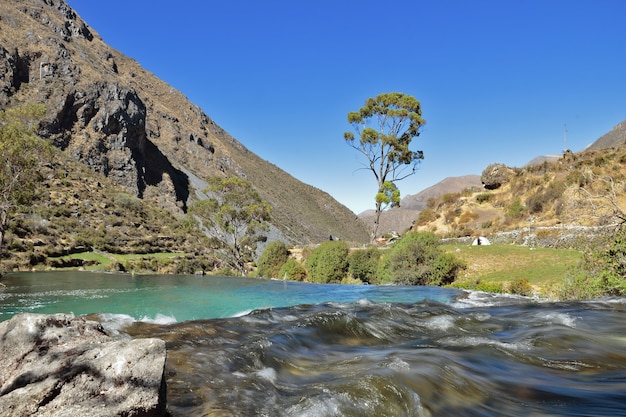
(61, 365)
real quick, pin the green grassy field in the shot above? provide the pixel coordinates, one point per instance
(543, 268)
(103, 261)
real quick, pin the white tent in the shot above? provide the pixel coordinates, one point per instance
(481, 240)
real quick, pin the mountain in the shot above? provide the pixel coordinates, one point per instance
(543, 158)
(544, 189)
(615, 138)
(107, 112)
(399, 219)
(447, 185)
(578, 191)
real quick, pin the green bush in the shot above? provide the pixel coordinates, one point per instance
(328, 263)
(292, 270)
(602, 272)
(272, 259)
(577, 178)
(516, 209)
(445, 269)
(128, 202)
(521, 286)
(483, 197)
(417, 260)
(486, 286)
(363, 264)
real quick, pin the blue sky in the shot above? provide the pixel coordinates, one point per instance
(497, 79)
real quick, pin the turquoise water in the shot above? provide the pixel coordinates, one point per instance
(181, 297)
(249, 347)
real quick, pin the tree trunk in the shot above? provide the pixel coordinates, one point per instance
(376, 222)
(4, 219)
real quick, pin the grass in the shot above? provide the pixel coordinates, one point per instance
(543, 268)
(139, 256)
(103, 260)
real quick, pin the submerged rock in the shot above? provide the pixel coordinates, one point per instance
(53, 365)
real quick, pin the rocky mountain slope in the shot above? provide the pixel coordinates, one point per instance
(106, 111)
(615, 138)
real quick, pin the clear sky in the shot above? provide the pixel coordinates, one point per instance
(497, 79)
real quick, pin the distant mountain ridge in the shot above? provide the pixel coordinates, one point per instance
(401, 218)
(112, 115)
(615, 138)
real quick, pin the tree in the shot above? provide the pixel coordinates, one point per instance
(21, 153)
(416, 259)
(235, 218)
(363, 264)
(328, 263)
(292, 270)
(272, 259)
(398, 120)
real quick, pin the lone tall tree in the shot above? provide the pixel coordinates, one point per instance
(385, 126)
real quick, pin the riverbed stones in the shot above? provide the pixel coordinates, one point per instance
(61, 365)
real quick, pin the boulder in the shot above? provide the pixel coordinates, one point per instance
(61, 365)
(495, 175)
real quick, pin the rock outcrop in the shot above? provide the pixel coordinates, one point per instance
(495, 175)
(61, 365)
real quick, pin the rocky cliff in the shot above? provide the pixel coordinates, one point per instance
(106, 111)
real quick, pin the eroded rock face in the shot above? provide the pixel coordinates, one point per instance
(61, 365)
(104, 126)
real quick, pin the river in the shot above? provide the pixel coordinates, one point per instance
(250, 347)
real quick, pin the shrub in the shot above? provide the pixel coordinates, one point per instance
(486, 286)
(272, 259)
(328, 263)
(450, 198)
(445, 269)
(542, 198)
(128, 202)
(417, 260)
(601, 272)
(467, 217)
(363, 264)
(516, 209)
(426, 216)
(578, 285)
(521, 286)
(292, 270)
(483, 197)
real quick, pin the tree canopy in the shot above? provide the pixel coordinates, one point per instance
(385, 127)
(235, 217)
(21, 153)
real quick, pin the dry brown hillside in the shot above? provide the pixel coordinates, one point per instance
(583, 189)
(107, 112)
